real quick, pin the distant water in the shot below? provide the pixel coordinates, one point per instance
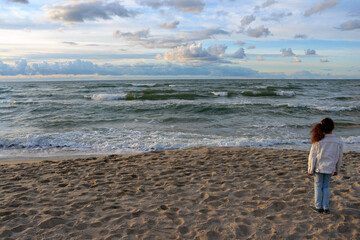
(68, 119)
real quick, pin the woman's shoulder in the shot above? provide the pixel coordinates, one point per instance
(331, 138)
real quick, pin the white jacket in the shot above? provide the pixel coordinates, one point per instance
(326, 155)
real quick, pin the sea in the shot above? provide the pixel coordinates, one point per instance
(66, 119)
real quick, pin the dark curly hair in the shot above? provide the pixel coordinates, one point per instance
(320, 129)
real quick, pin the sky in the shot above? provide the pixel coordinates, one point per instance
(166, 39)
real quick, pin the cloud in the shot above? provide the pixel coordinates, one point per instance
(324, 60)
(287, 52)
(81, 67)
(251, 47)
(191, 6)
(240, 43)
(260, 31)
(83, 11)
(70, 43)
(136, 36)
(239, 54)
(259, 58)
(276, 16)
(265, 4)
(19, 1)
(350, 25)
(20, 67)
(268, 3)
(169, 25)
(144, 39)
(300, 36)
(247, 20)
(196, 53)
(320, 7)
(296, 60)
(310, 52)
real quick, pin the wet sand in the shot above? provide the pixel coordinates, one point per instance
(196, 193)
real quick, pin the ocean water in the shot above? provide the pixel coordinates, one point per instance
(68, 119)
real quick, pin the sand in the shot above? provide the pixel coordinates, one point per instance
(196, 193)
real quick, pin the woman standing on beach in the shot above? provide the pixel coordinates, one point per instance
(325, 160)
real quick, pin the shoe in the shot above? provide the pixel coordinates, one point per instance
(318, 210)
(327, 211)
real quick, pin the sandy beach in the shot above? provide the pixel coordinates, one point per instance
(196, 193)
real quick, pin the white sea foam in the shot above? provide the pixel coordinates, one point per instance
(286, 93)
(335, 108)
(220, 94)
(106, 97)
(122, 141)
(351, 140)
(143, 84)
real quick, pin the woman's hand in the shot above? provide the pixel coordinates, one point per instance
(310, 174)
(335, 174)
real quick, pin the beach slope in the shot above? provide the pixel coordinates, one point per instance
(196, 193)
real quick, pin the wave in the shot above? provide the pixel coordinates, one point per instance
(337, 108)
(144, 84)
(181, 96)
(347, 98)
(266, 93)
(119, 139)
(258, 93)
(154, 91)
(286, 93)
(351, 140)
(347, 125)
(100, 85)
(110, 97)
(220, 94)
(318, 108)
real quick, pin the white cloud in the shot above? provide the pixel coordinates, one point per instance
(320, 7)
(268, 3)
(287, 52)
(195, 53)
(192, 6)
(251, 47)
(324, 60)
(82, 11)
(296, 60)
(169, 25)
(240, 43)
(259, 58)
(144, 39)
(276, 16)
(350, 25)
(310, 52)
(260, 31)
(247, 20)
(265, 4)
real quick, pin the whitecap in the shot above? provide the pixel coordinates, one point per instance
(106, 97)
(220, 94)
(286, 93)
(143, 84)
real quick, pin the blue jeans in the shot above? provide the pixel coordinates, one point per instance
(322, 190)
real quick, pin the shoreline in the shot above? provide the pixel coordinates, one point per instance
(200, 192)
(66, 156)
